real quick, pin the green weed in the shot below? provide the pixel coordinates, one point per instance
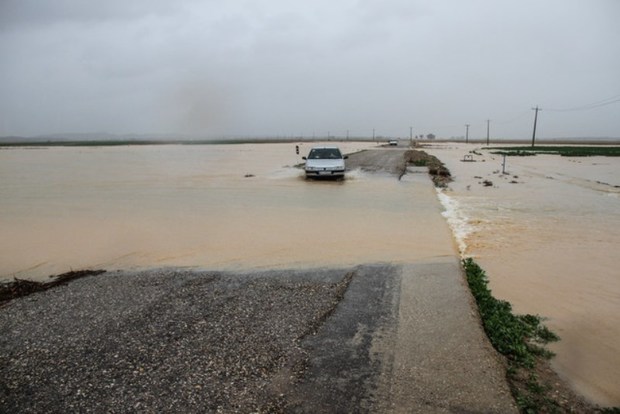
(518, 337)
(565, 151)
(521, 339)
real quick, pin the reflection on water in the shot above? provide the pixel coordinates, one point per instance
(217, 206)
(547, 234)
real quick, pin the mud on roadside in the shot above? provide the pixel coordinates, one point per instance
(439, 173)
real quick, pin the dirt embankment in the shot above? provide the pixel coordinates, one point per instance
(438, 172)
(22, 287)
(395, 161)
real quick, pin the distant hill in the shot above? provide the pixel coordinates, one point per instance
(102, 138)
(98, 136)
(14, 139)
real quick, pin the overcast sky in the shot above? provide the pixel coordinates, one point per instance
(285, 67)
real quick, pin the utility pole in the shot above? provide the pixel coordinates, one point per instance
(488, 121)
(411, 136)
(347, 134)
(466, 133)
(535, 119)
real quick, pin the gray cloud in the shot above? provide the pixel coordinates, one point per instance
(266, 67)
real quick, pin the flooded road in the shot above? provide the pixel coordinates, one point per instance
(547, 233)
(215, 206)
(370, 306)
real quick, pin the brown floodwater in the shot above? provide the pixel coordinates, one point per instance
(547, 234)
(548, 241)
(204, 206)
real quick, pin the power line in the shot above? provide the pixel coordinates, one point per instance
(609, 101)
(516, 118)
(592, 105)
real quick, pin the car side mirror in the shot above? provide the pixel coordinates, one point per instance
(346, 157)
(303, 158)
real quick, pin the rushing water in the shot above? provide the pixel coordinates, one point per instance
(548, 234)
(216, 206)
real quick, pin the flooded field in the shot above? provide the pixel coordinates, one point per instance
(214, 206)
(548, 234)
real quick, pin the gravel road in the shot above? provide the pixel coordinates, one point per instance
(320, 340)
(163, 341)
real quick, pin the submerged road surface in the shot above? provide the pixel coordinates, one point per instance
(378, 337)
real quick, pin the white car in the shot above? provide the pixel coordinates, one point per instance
(325, 162)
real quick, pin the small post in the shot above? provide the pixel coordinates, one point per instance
(535, 119)
(488, 121)
(504, 165)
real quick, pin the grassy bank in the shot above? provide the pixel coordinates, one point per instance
(565, 151)
(521, 339)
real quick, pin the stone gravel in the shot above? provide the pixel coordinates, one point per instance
(163, 341)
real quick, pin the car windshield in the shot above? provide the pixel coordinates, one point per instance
(324, 153)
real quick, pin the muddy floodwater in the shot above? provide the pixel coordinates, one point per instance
(548, 234)
(213, 206)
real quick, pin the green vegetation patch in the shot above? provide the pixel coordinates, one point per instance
(565, 151)
(519, 337)
(517, 153)
(535, 387)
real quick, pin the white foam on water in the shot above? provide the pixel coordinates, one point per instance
(355, 174)
(457, 220)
